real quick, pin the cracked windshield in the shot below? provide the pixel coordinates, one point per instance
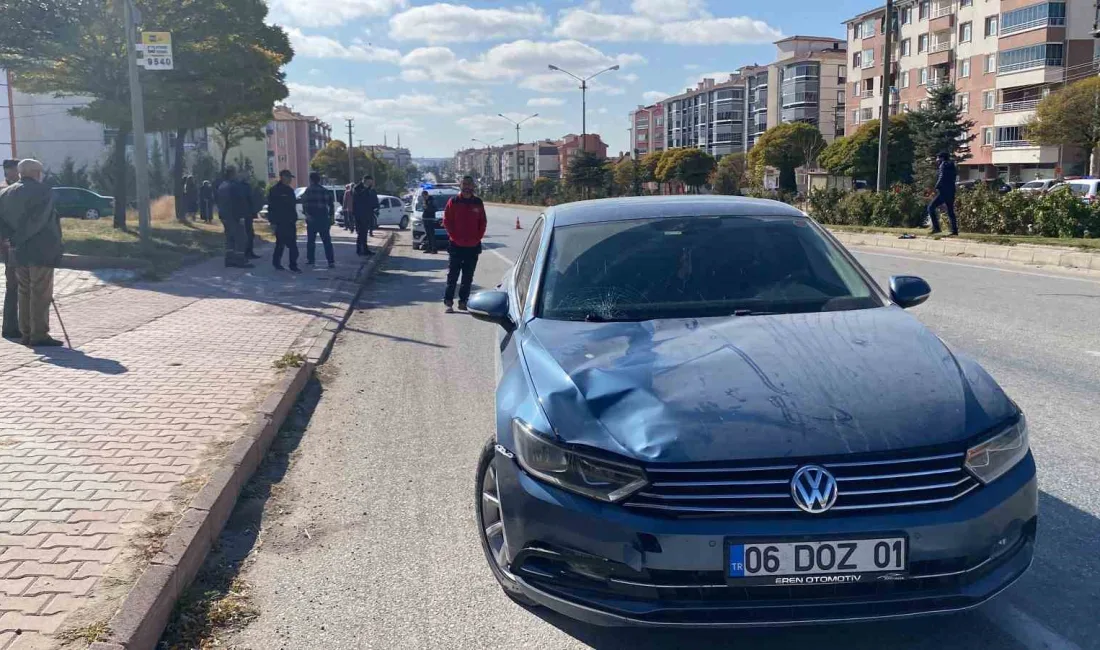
(610, 324)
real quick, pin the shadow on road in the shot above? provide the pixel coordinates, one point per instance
(78, 360)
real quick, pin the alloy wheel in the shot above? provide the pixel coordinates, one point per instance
(92, 214)
(492, 524)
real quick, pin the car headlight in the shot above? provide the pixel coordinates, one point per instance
(989, 460)
(592, 477)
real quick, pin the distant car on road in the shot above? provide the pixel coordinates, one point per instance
(391, 212)
(1039, 186)
(440, 196)
(707, 416)
(81, 203)
(1086, 188)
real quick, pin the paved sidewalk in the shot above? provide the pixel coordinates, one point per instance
(101, 444)
(68, 282)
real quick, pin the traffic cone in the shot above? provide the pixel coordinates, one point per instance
(518, 227)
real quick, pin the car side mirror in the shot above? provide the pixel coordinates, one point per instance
(908, 290)
(491, 307)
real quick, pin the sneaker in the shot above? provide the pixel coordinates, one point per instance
(295, 269)
(332, 265)
(450, 306)
(48, 342)
(461, 305)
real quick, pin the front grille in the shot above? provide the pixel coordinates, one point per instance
(862, 485)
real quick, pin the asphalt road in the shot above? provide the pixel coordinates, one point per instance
(368, 539)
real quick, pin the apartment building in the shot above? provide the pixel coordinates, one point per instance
(806, 83)
(572, 144)
(647, 129)
(293, 140)
(1003, 57)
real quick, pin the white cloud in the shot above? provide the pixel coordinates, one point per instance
(486, 124)
(654, 96)
(312, 46)
(719, 77)
(452, 23)
(335, 104)
(478, 97)
(545, 101)
(587, 25)
(669, 9)
(313, 72)
(329, 13)
(524, 61)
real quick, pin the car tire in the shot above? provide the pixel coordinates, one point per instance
(486, 480)
(92, 214)
(404, 225)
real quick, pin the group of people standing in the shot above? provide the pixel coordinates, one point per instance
(31, 248)
(198, 199)
(238, 205)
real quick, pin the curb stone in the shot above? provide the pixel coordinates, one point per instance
(147, 608)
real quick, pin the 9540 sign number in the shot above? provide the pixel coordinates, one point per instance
(815, 562)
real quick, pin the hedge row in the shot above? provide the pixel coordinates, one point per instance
(980, 210)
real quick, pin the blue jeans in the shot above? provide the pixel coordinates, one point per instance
(948, 200)
(315, 227)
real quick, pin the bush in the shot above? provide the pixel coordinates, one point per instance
(856, 208)
(978, 209)
(1017, 214)
(825, 204)
(1061, 214)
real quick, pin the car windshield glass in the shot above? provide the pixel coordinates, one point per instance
(1034, 185)
(1080, 189)
(697, 267)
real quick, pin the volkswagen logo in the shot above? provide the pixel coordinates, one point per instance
(814, 489)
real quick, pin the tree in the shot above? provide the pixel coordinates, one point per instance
(158, 175)
(939, 127)
(689, 166)
(856, 155)
(203, 167)
(587, 171)
(71, 175)
(235, 129)
(650, 162)
(1070, 116)
(332, 162)
(227, 59)
(545, 188)
(624, 173)
(728, 174)
(785, 147)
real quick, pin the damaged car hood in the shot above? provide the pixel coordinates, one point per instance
(753, 387)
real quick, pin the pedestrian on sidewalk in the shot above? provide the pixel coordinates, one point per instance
(256, 203)
(465, 221)
(190, 197)
(429, 223)
(206, 202)
(234, 203)
(32, 226)
(348, 207)
(282, 212)
(11, 282)
(319, 206)
(365, 204)
(945, 194)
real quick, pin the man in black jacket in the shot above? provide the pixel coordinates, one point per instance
(945, 194)
(282, 212)
(234, 203)
(11, 288)
(365, 206)
(430, 222)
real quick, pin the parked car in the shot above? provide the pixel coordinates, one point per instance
(440, 196)
(706, 417)
(391, 212)
(1039, 186)
(994, 184)
(1086, 188)
(81, 203)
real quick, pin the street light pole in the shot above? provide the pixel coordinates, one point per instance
(884, 120)
(488, 151)
(516, 154)
(584, 99)
(137, 114)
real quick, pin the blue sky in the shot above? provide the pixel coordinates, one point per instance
(439, 72)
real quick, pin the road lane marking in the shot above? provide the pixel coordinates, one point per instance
(501, 256)
(920, 258)
(1025, 629)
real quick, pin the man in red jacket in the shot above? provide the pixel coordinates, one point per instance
(465, 222)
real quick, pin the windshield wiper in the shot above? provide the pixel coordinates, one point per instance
(752, 312)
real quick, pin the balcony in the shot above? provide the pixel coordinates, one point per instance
(1053, 21)
(1015, 106)
(1056, 61)
(1012, 144)
(939, 46)
(867, 94)
(941, 10)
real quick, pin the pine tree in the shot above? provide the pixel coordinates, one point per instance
(941, 126)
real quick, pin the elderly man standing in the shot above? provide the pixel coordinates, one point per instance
(35, 234)
(11, 286)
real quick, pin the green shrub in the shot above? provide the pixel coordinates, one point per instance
(856, 208)
(1061, 214)
(978, 209)
(825, 204)
(1016, 214)
(912, 204)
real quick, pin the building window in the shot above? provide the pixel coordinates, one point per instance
(906, 47)
(905, 107)
(922, 43)
(991, 26)
(966, 32)
(922, 10)
(905, 79)
(857, 59)
(989, 99)
(855, 89)
(962, 100)
(964, 67)
(1032, 56)
(991, 63)
(867, 28)
(966, 3)
(866, 114)
(987, 137)
(840, 97)
(906, 15)
(855, 116)
(868, 58)
(923, 77)
(1038, 15)
(1010, 136)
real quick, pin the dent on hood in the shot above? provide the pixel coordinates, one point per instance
(758, 387)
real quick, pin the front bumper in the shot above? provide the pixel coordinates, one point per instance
(607, 565)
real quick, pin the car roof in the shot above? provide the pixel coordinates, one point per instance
(648, 207)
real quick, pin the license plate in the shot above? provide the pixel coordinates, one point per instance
(815, 562)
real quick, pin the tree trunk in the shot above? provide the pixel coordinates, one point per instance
(177, 176)
(1094, 166)
(122, 169)
(225, 154)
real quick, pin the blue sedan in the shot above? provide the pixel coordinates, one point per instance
(709, 414)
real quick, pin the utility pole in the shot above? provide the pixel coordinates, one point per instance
(137, 112)
(584, 99)
(351, 154)
(516, 154)
(884, 120)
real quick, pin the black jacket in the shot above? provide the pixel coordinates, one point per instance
(364, 202)
(429, 209)
(282, 206)
(234, 200)
(29, 220)
(945, 179)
